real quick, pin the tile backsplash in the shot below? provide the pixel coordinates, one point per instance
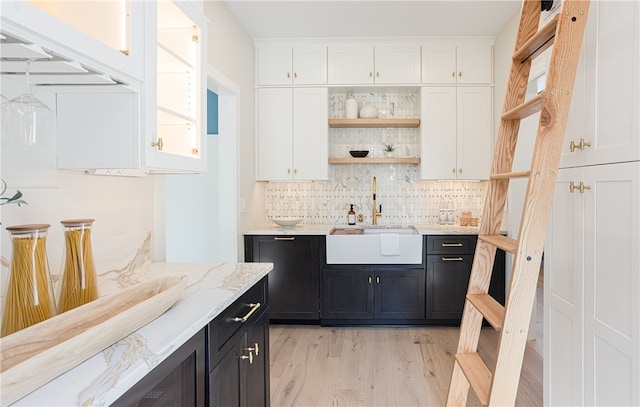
(405, 199)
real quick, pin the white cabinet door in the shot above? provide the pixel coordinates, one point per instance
(309, 65)
(611, 285)
(439, 63)
(292, 134)
(274, 134)
(287, 66)
(456, 127)
(461, 63)
(174, 127)
(606, 99)
(592, 310)
(310, 134)
(438, 129)
(563, 317)
(474, 64)
(397, 64)
(162, 125)
(275, 65)
(350, 65)
(475, 134)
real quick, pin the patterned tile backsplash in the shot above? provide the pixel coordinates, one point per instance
(405, 199)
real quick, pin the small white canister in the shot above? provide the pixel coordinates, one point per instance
(351, 108)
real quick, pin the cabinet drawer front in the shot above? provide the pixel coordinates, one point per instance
(451, 244)
(243, 312)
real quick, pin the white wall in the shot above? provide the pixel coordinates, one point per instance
(120, 206)
(231, 52)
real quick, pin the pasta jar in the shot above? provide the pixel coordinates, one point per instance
(29, 297)
(79, 282)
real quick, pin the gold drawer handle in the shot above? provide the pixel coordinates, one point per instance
(452, 259)
(285, 238)
(451, 244)
(254, 308)
(245, 357)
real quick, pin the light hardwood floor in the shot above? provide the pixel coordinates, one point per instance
(381, 366)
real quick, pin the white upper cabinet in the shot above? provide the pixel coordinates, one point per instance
(292, 134)
(604, 123)
(457, 63)
(106, 38)
(159, 127)
(350, 65)
(456, 127)
(397, 64)
(366, 65)
(281, 66)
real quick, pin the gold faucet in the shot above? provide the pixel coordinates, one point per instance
(375, 213)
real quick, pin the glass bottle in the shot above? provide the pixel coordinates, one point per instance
(442, 212)
(79, 281)
(29, 298)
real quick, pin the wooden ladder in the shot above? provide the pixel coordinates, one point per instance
(565, 32)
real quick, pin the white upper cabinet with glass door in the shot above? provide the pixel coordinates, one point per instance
(87, 42)
(175, 87)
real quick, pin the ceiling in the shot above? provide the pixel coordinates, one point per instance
(373, 18)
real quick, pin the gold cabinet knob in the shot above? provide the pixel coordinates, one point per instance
(580, 187)
(288, 74)
(579, 146)
(295, 75)
(159, 144)
(453, 74)
(460, 74)
(247, 357)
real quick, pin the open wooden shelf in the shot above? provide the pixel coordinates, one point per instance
(374, 123)
(375, 160)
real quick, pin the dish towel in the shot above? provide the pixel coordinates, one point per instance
(389, 244)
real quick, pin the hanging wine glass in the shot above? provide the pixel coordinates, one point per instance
(28, 120)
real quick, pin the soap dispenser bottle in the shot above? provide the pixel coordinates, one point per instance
(351, 217)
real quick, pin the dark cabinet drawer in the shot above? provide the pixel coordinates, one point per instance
(451, 244)
(242, 313)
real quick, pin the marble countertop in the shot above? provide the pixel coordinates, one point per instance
(103, 378)
(317, 229)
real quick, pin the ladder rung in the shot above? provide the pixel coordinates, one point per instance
(477, 374)
(540, 41)
(510, 175)
(531, 106)
(490, 309)
(505, 243)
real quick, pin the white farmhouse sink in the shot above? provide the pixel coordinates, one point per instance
(362, 245)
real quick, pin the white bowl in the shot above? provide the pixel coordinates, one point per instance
(287, 222)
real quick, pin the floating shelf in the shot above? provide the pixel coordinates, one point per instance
(374, 123)
(375, 160)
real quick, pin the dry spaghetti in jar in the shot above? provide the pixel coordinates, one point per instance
(79, 281)
(29, 297)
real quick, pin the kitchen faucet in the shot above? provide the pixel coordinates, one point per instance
(375, 213)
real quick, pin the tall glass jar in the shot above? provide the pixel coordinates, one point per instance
(79, 281)
(29, 298)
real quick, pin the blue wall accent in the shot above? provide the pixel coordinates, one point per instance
(212, 112)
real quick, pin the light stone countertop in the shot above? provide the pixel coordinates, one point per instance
(317, 229)
(103, 378)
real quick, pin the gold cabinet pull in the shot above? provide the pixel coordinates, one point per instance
(295, 75)
(370, 74)
(284, 238)
(460, 170)
(451, 244)
(370, 279)
(453, 74)
(158, 144)
(288, 75)
(249, 356)
(452, 258)
(580, 187)
(254, 348)
(579, 146)
(377, 279)
(460, 74)
(254, 308)
(288, 170)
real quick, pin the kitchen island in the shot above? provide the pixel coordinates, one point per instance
(105, 377)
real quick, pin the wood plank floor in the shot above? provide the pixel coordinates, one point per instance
(380, 366)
